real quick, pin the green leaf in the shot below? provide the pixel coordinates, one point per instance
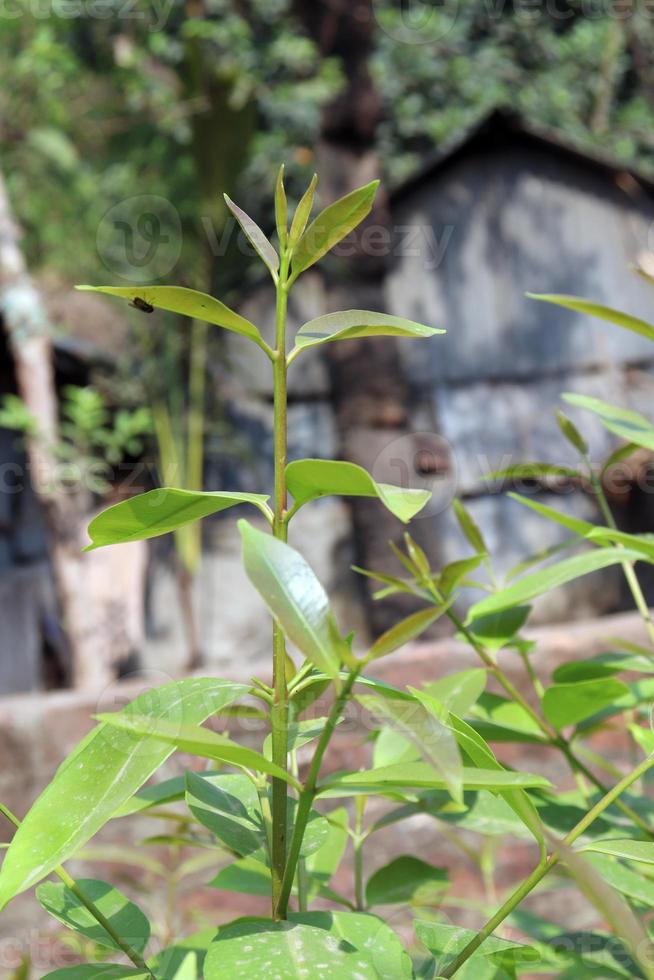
(302, 213)
(532, 471)
(626, 881)
(196, 741)
(247, 876)
(228, 805)
(98, 971)
(458, 692)
(391, 746)
(639, 542)
(295, 598)
(323, 863)
(188, 302)
(505, 721)
(621, 421)
(448, 941)
(350, 324)
(580, 305)
(160, 511)
(470, 529)
(405, 631)
(572, 433)
(125, 918)
(256, 947)
(281, 218)
(496, 630)
(160, 794)
(574, 524)
(103, 772)
(369, 935)
(455, 573)
(429, 733)
(308, 479)
(332, 225)
(407, 880)
(169, 960)
(420, 775)
(603, 665)
(188, 970)
(537, 583)
(622, 452)
(568, 704)
(255, 236)
(641, 851)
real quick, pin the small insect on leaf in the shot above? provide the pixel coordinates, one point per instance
(140, 304)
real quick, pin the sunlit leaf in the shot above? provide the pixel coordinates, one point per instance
(294, 596)
(332, 225)
(368, 935)
(159, 511)
(101, 774)
(622, 422)
(631, 850)
(308, 479)
(302, 213)
(188, 302)
(421, 775)
(125, 918)
(580, 305)
(350, 324)
(406, 630)
(568, 704)
(552, 577)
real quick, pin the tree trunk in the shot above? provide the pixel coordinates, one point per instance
(369, 389)
(28, 330)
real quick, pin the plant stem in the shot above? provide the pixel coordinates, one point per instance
(359, 838)
(71, 884)
(279, 711)
(627, 566)
(308, 794)
(546, 866)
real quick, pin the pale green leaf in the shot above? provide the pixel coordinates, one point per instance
(368, 935)
(332, 225)
(281, 208)
(629, 425)
(196, 741)
(580, 305)
(420, 775)
(160, 511)
(458, 692)
(406, 630)
(574, 524)
(255, 236)
(261, 947)
(568, 704)
(469, 527)
(125, 918)
(302, 213)
(496, 630)
(188, 302)
(97, 971)
(552, 577)
(532, 471)
(308, 479)
(350, 324)
(102, 773)
(294, 596)
(641, 851)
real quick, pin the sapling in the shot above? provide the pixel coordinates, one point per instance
(276, 827)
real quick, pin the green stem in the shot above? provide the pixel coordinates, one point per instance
(545, 867)
(71, 884)
(279, 711)
(359, 838)
(627, 566)
(308, 794)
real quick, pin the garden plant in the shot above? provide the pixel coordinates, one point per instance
(266, 823)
